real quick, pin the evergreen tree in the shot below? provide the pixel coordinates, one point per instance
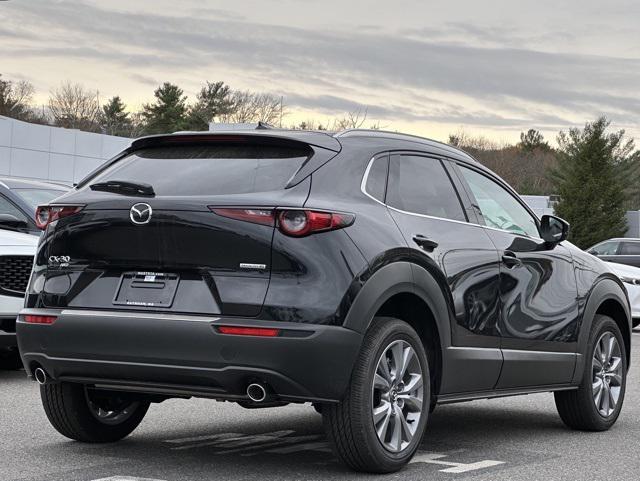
(213, 100)
(168, 113)
(532, 140)
(595, 172)
(114, 120)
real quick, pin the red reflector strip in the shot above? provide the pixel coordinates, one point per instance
(39, 319)
(248, 331)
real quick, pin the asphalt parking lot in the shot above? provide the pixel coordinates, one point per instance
(505, 439)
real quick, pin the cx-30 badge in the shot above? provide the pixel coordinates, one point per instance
(140, 213)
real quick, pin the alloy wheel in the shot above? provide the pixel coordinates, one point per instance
(397, 396)
(607, 374)
(114, 412)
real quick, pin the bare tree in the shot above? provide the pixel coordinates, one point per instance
(254, 107)
(15, 99)
(74, 107)
(351, 120)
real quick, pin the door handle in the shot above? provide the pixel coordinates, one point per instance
(424, 242)
(510, 259)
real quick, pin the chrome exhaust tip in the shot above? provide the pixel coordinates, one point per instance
(256, 392)
(40, 376)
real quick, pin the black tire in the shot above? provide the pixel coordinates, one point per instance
(349, 425)
(68, 409)
(10, 360)
(577, 408)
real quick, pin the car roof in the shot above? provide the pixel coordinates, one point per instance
(618, 239)
(411, 141)
(328, 140)
(15, 183)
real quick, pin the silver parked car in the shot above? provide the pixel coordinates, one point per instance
(620, 250)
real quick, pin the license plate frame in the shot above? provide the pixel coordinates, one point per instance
(146, 289)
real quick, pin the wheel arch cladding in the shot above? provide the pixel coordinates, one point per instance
(408, 292)
(607, 298)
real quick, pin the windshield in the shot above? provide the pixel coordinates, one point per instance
(36, 197)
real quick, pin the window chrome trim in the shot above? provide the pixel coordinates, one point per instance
(469, 223)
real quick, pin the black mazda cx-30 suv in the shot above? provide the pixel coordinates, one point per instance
(373, 274)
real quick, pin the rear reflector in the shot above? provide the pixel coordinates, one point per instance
(31, 319)
(248, 331)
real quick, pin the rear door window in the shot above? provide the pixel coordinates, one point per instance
(420, 185)
(630, 249)
(209, 169)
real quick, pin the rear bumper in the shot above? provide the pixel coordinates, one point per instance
(185, 355)
(7, 340)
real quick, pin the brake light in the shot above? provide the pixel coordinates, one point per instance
(256, 216)
(248, 331)
(31, 319)
(300, 223)
(292, 222)
(46, 214)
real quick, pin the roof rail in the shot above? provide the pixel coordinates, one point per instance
(387, 134)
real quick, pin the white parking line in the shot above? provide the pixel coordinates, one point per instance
(126, 478)
(435, 458)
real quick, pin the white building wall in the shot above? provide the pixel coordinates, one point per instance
(51, 153)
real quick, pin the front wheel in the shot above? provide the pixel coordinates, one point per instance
(89, 415)
(379, 424)
(596, 404)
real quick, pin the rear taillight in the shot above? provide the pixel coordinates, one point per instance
(248, 331)
(299, 223)
(257, 216)
(292, 222)
(31, 319)
(46, 214)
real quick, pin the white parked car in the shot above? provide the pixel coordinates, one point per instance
(16, 259)
(630, 276)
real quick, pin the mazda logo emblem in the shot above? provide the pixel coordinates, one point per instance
(140, 213)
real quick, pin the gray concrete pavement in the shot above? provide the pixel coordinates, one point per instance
(505, 439)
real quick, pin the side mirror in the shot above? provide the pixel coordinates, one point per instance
(12, 222)
(553, 229)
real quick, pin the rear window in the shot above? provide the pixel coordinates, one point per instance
(209, 170)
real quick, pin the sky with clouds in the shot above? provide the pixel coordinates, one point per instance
(495, 67)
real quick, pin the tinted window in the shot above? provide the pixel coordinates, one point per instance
(36, 197)
(421, 185)
(7, 207)
(209, 170)
(499, 208)
(377, 178)
(630, 248)
(608, 248)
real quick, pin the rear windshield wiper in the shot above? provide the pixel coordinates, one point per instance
(124, 187)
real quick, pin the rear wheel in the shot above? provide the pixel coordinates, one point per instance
(91, 416)
(380, 422)
(596, 404)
